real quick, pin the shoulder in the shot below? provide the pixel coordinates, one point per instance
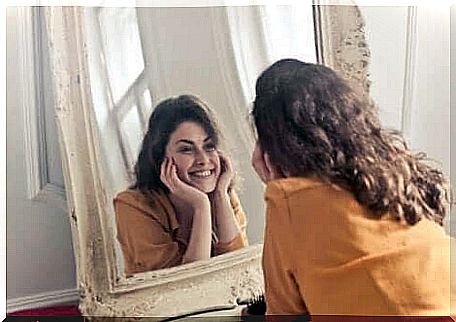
(129, 194)
(298, 194)
(287, 187)
(150, 203)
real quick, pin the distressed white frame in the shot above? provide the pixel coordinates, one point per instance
(341, 41)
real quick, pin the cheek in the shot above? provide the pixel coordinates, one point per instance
(183, 163)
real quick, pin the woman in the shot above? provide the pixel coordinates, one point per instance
(182, 207)
(354, 218)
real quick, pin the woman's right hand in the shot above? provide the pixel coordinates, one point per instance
(185, 193)
(199, 243)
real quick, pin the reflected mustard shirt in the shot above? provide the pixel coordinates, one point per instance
(149, 235)
(325, 255)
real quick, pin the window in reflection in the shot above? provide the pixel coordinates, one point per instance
(122, 100)
(131, 133)
(121, 49)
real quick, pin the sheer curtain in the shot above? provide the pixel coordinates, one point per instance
(251, 38)
(121, 98)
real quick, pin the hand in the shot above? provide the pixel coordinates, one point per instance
(180, 190)
(263, 165)
(226, 174)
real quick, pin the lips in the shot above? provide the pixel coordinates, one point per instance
(201, 173)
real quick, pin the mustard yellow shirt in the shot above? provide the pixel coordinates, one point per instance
(324, 254)
(149, 234)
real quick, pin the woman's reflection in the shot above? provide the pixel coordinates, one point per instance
(182, 207)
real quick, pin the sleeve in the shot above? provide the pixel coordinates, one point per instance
(281, 289)
(240, 240)
(145, 243)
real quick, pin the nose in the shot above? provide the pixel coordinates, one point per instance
(201, 157)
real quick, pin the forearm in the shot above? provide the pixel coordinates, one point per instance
(225, 221)
(199, 246)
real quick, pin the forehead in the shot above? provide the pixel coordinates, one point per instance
(190, 131)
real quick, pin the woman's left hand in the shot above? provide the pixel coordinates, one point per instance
(263, 165)
(226, 174)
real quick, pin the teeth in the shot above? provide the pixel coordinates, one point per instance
(202, 174)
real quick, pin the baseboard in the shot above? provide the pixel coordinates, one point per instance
(59, 297)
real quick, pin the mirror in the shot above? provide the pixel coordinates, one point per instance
(110, 66)
(140, 56)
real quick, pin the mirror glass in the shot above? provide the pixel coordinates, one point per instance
(140, 56)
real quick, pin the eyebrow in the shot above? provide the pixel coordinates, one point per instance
(191, 142)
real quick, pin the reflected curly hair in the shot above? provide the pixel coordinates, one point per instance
(312, 123)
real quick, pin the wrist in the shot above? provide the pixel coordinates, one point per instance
(220, 194)
(202, 206)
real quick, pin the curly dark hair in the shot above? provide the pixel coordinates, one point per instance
(164, 120)
(312, 123)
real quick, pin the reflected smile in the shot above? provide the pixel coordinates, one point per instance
(201, 173)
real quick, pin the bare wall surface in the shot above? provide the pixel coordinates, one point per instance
(410, 74)
(40, 265)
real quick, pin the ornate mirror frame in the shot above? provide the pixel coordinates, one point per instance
(219, 281)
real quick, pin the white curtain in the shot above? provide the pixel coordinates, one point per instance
(250, 38)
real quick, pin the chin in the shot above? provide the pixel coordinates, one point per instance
(205, 189)
(207, 186)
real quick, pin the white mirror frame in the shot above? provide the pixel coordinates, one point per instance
(341, 41)
(180, 290)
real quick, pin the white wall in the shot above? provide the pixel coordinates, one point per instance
(410, 75)
(40, 265)
(430, 130)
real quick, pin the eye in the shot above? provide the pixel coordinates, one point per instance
(209, 147)
(185, 149)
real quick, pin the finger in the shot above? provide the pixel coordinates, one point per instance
(258, 166)
(262, 174)
(270, 168)
(169, 165)
(164, 174)
(226, 163)
(171, 170)
(163, 169)
(176, 181)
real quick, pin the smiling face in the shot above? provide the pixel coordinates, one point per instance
(195, 156)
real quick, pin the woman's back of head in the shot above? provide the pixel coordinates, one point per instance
(312, 123)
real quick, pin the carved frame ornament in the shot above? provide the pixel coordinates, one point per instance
(188, 288)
